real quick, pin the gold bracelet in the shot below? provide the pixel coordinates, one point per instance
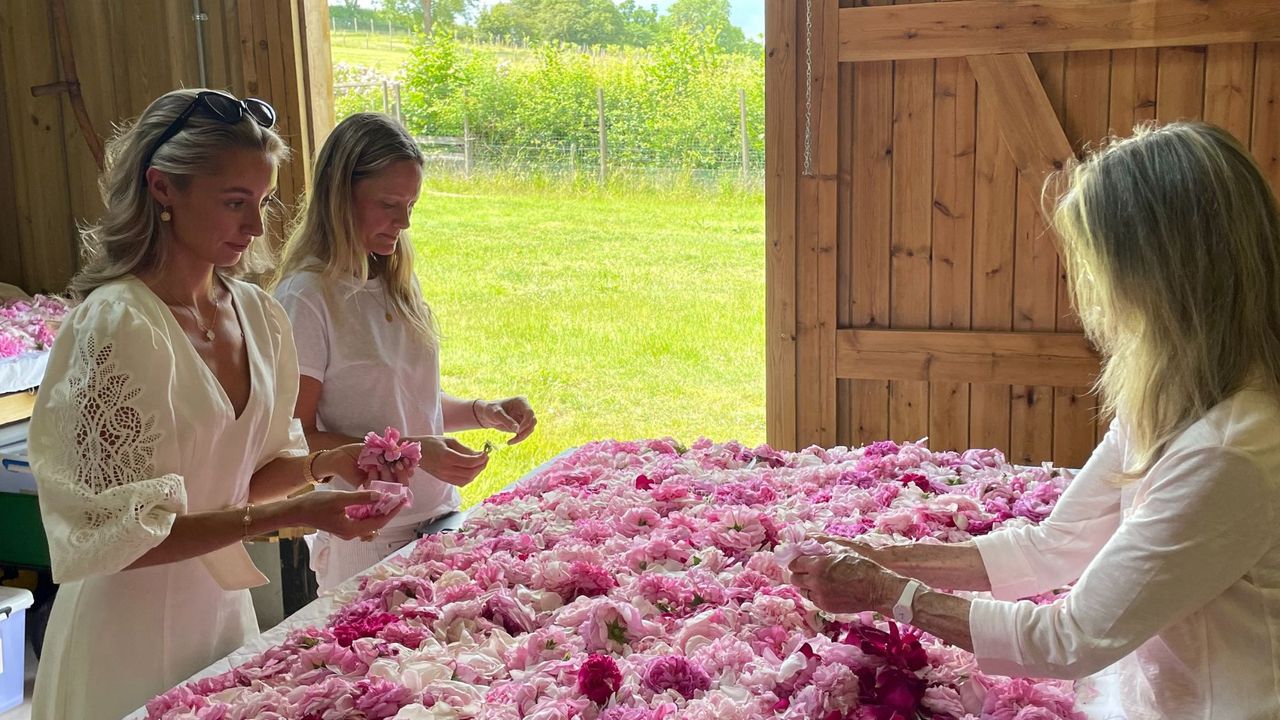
(248, 518)
(308, 473)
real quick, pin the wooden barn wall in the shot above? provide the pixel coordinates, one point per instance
(126, 54)
(915, 217)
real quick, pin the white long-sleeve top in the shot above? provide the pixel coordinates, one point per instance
(1178, 574)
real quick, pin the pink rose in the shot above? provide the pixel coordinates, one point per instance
(675, 672)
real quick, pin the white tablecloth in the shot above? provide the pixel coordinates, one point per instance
(22, 372)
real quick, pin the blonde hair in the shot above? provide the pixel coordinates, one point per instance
(1172, 244)
(126, 238)
(324, 238)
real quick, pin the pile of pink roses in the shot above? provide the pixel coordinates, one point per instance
(29, 325)
(646, 581)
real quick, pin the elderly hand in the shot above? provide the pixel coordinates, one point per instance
(846, 583)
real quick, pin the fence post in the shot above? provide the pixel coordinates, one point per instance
(391, 37)
(746, 146)
(399, 107)
(466, 145)
(604, 139)
(368, 34)
(573, 159)
(386, 99)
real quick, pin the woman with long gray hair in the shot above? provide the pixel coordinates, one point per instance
(1171, 531)
(368, 348)
(162, 435)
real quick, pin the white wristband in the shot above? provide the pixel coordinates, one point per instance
(902, 611)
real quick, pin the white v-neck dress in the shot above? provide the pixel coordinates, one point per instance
(131, 429)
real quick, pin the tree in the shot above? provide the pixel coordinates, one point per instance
(700, 16)
(581, 22)
(639, 24)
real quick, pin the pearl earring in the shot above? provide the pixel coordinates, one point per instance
(165, 215)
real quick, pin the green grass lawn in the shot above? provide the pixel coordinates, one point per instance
(620, 314)
(384, 53)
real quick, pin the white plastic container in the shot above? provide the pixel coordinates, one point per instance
(13, 644)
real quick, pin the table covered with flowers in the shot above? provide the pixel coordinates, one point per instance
(648, 581)
(28, 326)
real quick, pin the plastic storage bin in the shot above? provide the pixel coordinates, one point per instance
(13, 644)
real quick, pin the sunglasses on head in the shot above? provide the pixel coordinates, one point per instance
(220, 106)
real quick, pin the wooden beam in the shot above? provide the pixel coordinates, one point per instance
(1028, 122)
(1018, 358)
(780, 223)
(989, 27)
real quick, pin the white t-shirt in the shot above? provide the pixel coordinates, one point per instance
(376, 374)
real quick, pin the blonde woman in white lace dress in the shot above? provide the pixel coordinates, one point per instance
(162, 434)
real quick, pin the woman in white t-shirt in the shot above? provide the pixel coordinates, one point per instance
(367, 341)
(1170, 532)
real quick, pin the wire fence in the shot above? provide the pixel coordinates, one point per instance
(582, 159)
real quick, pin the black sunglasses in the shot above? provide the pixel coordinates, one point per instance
(220, 106)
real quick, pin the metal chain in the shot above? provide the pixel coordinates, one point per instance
(808, 88)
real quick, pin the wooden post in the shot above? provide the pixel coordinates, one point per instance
(386, 99)
(573, 159)
(746, 143)
(399, 107)
(466, 145)
(604, 139)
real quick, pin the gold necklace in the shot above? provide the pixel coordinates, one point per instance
(206, 329)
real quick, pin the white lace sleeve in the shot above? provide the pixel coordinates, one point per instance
(102, 419)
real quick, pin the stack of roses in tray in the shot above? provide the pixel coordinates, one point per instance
(645, 581)
(29, 325)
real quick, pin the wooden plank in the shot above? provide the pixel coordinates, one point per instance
(1035, 280)
(16, 406)
(1045, 358)
(121, 93)
(1029, 124)
(148, 61)
(990, 27)
(911, 232)
(953, 151)
(1228, 88)
(10, 247)
(317, 65)
(286, 84)
(45, 231)
(1133, 89)
(94, 56)
(222, 38)
(1180, 95)
(844, 246)
(1266, 112)
(872, 182)
(780, 217)
(253, 85)
(995, 186)
(816, 240)
(1086, 118)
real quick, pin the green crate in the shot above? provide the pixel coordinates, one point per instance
(22, 540)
